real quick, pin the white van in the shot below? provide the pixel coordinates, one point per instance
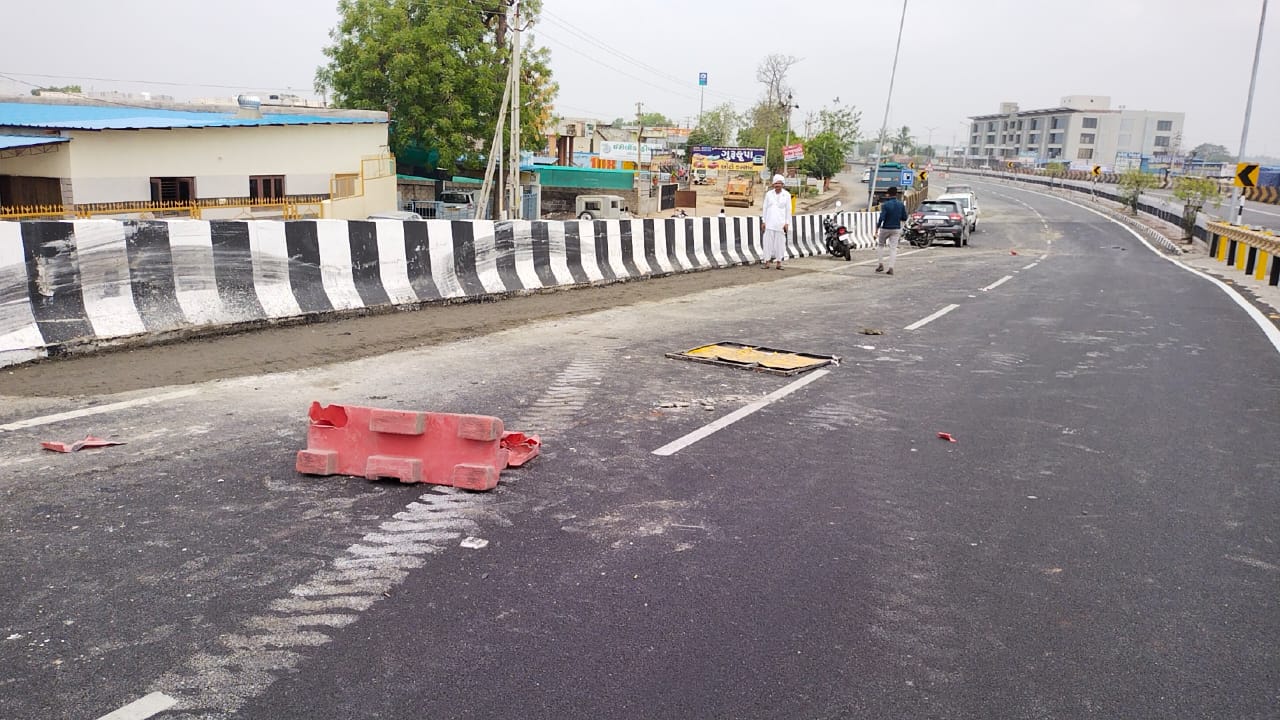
(968, 202)
(600, 207)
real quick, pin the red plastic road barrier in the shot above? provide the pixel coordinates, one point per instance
(465, 451)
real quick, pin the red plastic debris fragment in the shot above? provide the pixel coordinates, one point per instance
(946, 436)
(1013, 252)
(522, 448)
(88, 442)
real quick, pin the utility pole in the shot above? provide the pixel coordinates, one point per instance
(884, 124)
(514, 157)
(1237, 194)
(639, 137)
(500, 189)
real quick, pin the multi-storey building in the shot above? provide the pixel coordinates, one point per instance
(1083, 131)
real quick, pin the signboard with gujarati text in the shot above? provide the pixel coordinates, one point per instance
(625, 151)
(703, 157)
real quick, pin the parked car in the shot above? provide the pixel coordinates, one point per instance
(866, 175)
(945, 218)
(969, 204)
(600, 207)
(458, 200)
(395, 215)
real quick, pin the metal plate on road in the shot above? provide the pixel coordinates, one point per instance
(754, 357)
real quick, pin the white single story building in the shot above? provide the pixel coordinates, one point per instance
(80, 155)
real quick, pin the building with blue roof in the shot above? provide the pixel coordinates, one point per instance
(77, 154)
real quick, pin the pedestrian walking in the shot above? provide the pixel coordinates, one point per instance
(775, 221)
(892, 214)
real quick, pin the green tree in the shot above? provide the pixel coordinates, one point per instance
(843, 121)
(1194, 192)
(69, 89)
(1131, 185)
(1212, 153)
(1055, 170)
(655, 119)
(719, 124)
(902, 142)
(438, 71)
(824, 156)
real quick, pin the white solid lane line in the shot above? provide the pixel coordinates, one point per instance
(98, 410)
(925, 321)
(998, 283)
(676, 446)
(142, 708)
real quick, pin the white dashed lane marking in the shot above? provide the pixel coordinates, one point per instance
(925, 321)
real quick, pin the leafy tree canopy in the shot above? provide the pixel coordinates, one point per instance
(1212, 153)
(438, 70)
(824, 155)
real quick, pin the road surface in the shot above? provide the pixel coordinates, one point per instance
(1099, 542)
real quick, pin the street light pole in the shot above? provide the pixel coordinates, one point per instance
(1237, 196)
(884, 125)
(790, 106)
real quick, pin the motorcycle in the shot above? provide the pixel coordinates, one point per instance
(836, 237)
(918, 234)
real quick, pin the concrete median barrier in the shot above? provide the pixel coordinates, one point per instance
(73, 286)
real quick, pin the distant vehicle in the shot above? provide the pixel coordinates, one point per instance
(600, 207)
(396, 215)
(944, 218)
(866, 175)
(740, 191)
(960, 189)
(457, 200)
(890, 175)
(968, 203)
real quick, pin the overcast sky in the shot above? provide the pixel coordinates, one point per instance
(959, 57)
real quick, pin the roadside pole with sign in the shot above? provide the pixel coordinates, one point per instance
(702, 85)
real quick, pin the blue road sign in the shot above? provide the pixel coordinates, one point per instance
(702, 78)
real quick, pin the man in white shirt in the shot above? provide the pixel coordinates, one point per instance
(775, 221)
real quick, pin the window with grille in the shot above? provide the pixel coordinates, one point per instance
(1091, 123)
(173, 189)
(1085, 154)
(1164, 126)
(1086, 138)
(1162, 141)
(264, 187)
(344, 185)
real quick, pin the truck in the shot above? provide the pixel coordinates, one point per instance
(740, 191)
(890, 174)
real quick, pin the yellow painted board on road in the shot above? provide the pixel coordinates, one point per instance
(1260, 266)
(755, 357)
(1246, 175)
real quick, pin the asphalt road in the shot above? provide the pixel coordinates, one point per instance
(1099, 542)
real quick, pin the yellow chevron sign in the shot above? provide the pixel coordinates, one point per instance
(1097, 170)
(1246, 175)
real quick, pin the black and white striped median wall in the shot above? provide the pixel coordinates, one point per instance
(71, 285)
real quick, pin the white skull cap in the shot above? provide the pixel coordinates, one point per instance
(779, 179)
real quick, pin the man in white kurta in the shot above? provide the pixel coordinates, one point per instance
(775, 222)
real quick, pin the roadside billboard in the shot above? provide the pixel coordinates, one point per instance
(626, 151)
(792, 153)
(703, 157)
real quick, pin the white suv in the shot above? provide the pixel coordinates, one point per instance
(968, 202)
